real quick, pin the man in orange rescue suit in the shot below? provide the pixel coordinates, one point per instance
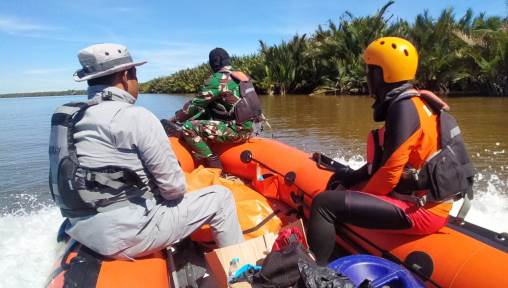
(409, 137)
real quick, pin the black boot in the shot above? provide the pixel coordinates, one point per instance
(213, 161)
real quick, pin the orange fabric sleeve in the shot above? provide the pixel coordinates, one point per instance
(388, 175)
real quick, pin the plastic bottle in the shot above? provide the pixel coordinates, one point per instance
(234, 265)
(259, 177)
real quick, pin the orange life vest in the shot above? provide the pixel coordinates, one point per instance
(387, 168)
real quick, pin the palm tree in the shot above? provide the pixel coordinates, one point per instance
(340, 49)
(465, 54)
(489, 51)
(283, 63)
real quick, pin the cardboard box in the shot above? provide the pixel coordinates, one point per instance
(252, 251)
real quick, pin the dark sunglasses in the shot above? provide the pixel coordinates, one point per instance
(132, 74)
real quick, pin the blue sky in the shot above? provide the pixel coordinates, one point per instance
(39, 40)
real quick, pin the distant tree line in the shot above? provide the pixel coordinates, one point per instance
(49, 93)
(466, 55)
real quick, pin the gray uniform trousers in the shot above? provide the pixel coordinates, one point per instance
(174, 220)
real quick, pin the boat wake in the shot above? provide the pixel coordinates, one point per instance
(28, 246)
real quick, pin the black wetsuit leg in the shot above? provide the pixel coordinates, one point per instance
(360, 209)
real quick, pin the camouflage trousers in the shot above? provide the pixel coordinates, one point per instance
(198, 133)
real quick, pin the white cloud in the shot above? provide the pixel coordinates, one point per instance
(164, 61)
(46, 71)
(13, 25)
(39, 79)
(96, 9)
(38, 83)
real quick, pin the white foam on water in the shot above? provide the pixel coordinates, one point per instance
(489, 208)
(28, 246)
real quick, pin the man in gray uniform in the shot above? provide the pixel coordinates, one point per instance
(114, 174)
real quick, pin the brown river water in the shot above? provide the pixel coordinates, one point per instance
(338, 126)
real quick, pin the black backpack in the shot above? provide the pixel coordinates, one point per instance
(280, 268)
(249, 106)
(449, 173)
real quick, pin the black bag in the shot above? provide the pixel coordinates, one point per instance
(449, 173)
(249, 106)
(280, 268)
(172, 129)
(314, 276)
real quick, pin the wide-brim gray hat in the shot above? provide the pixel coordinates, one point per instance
(103, 59)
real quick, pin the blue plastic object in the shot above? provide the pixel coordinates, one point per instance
(244, 272)
(380, 271)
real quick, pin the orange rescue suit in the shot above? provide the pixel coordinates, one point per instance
(410, 135)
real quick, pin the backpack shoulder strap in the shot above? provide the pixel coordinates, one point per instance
(73, 118)
(405, 95)
(434, 101)
(240, 76)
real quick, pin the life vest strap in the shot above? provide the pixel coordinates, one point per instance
(413, 198)
(435, 102)
(107, 179)
(464, 208)
(80, 191)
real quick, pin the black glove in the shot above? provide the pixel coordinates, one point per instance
(339, 179)
(171, 128)
(345, 177)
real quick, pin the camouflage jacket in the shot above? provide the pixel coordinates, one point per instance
(215, 100)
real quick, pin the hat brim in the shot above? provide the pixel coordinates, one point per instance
(115, 69)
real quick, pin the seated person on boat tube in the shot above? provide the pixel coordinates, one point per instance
(114, 174)
(224, 110)
(392, 199)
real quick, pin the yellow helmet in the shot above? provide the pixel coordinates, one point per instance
(397, 58)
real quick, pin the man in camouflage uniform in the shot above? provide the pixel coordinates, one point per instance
(208, 116)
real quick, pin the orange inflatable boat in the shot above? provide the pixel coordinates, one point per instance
(78, 266)
(459, 255)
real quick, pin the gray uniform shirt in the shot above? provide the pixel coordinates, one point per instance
(118, 133)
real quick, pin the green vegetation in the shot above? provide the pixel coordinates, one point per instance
(463, 55)
(49, 93)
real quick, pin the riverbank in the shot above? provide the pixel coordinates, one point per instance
(49, 93)
(451, 94)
